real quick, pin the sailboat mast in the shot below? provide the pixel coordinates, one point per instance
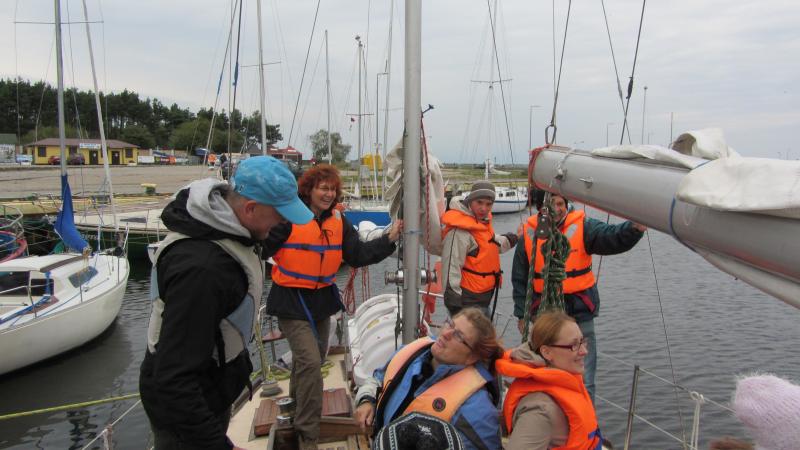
(388, 84)
(261, 82)
(411, 171)
(328, 96)
(101, 126)
(358, 164)
(60, 82)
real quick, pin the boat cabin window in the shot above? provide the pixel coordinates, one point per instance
(82, 276)
(16, 283)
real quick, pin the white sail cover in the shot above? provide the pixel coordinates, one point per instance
(651, 152)
(720, 178)
(708, 143)
(758, 185)
(432, 184)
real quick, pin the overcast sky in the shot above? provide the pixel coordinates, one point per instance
(711, 63)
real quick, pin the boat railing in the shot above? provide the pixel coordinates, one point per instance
(695, 397)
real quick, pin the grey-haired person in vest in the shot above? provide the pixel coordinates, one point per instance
(207, 282)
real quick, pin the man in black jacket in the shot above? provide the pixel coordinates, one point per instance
(207, 285)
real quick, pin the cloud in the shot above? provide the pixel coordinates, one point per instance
(710, 63)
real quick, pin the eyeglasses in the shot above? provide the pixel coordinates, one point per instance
(584, 342)
(449, 325)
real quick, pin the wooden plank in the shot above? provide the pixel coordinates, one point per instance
(337, 350)
(336, 402)
(265, 417)
(332, 429)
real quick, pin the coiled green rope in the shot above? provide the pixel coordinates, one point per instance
(555, 251)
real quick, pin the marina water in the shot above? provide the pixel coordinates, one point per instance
(717, 327)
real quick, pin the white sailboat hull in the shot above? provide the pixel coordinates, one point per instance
(508, 200)
(79, 315)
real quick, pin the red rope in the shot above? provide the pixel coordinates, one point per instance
(428, 300)
(349, 293)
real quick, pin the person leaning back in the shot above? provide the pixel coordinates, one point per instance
(207, 282)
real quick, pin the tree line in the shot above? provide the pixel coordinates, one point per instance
(29, 111)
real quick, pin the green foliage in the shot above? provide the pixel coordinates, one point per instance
(138, 135)
(47, 132)
(319, 145)
(29, 110)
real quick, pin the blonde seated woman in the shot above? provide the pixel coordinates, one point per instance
(547, 405)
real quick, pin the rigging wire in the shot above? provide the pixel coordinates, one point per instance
(666, 337)
(105, 65)
(649, 243)
(628, 102)
(72, 73)
(16, 73)
(549, 139)
(302, 77)
(235, 85)
(278, 28)
(311, 84)
(614, 60)
(554, 47)
(633, 72)
(500, 77)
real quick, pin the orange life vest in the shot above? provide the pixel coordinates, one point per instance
(579, 263)
(480, 273)
(311, 255)
(565, 388)
(443, 398)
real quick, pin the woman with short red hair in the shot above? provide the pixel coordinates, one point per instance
(304, 294)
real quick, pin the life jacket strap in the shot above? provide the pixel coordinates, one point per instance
(312, 247)
(483, 274)
(302, 276)
(570, 273)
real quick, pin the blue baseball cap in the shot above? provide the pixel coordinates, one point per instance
(268, 181)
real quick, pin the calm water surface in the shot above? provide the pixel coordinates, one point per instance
(717, 327)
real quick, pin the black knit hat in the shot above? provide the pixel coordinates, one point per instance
(417, 431)
(480, 189)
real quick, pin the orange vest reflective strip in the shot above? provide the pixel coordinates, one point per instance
(480, 273)
(579, 263)
(566, 389)
(311, 255)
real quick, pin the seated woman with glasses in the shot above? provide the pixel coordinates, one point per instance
(547, 405)
(448, 378)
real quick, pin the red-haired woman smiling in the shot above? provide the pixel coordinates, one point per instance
(304, 294)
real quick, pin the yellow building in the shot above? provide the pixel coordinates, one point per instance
(366, 160)
(47, 151)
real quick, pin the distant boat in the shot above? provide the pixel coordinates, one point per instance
(52, 304)
(507, 199)
(142, 224)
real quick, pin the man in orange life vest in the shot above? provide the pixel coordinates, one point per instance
(587, 237)
(471, 251)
